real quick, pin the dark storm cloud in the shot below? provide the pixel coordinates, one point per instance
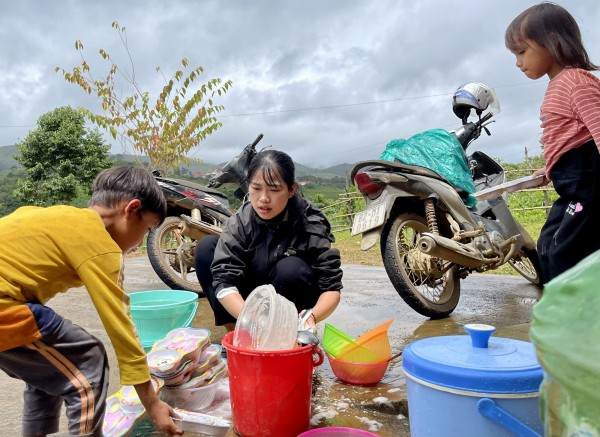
(327, 82)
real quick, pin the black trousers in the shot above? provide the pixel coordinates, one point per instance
(292, 278)
(572, 229)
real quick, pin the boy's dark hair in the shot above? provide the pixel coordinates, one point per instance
(275, 166)
(554, 28)
(119, 183)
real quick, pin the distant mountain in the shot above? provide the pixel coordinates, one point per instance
(339, 170)
(7, 161)
(323, 173)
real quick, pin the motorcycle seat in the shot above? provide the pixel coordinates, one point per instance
(204, 188)
(395, 166)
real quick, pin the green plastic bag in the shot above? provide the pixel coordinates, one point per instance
(566, 332)
(437, 150)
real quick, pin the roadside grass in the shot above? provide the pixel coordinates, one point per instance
(351, 253)
(532, 221)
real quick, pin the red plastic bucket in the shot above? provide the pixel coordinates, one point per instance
(270, 390)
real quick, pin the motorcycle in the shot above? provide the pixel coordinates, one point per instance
(429, 239)
(193, 212)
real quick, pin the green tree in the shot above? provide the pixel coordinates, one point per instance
(166, 130)
(61, 157)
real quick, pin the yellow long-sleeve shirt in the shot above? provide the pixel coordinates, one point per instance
(46, 251)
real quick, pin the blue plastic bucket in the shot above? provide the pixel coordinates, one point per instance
(157, 312)
(459, 387)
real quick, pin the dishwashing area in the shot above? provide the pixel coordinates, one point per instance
(381, 407)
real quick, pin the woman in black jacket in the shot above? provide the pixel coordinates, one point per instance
(277, 238)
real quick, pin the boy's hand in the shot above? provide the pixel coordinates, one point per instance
(161, 414)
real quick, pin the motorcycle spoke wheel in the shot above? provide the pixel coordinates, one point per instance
(172, 256)
(526, 263)
(429, 294)
(434, 290)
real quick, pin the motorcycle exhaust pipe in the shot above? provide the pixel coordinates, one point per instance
(445, 248)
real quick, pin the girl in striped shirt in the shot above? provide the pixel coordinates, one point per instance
(546, 40)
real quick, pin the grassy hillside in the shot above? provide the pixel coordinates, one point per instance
(6, 157)
(195, 166)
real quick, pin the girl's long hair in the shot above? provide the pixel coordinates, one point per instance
(554, 28)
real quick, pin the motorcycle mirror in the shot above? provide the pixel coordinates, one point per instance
(258, 138)
(465, 118)
(239, 193)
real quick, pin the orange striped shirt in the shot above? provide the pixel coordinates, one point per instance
(570, 113)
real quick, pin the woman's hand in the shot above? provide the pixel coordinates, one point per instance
(327, 303)
(231, 300)
(307, 321)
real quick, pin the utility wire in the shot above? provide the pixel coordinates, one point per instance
(348, 105)
(318, 108)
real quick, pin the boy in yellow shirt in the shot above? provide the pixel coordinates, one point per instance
(46, 251)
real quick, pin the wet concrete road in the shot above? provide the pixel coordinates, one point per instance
(368, 300)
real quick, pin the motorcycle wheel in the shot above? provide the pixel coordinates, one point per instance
(166, 246)
(527, 264)
(427, 295)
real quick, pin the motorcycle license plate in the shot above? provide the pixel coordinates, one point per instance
(368, 219)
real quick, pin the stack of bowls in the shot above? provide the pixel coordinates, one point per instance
(361, 361)
(190, 367)
(268, 321)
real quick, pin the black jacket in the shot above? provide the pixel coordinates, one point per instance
(249, 247)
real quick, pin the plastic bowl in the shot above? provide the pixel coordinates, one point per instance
(371, 347)
(201, 377)
(191, 399)
(189, 342)
(337, 432)
(358, 373)
(375, 350)
(336, 341)
(163, 362)
(157, 312)
(376, 332)
(268, 321)
(182, 376)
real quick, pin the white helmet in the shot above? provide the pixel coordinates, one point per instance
(474, 95)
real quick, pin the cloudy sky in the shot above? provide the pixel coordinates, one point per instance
(326, 81)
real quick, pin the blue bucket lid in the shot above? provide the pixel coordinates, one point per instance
(475, 362)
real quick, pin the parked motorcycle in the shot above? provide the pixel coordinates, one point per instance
(429, 238)
(193, 212)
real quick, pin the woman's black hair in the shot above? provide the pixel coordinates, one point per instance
(554, 28)
(275, 166)
(119, 183)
